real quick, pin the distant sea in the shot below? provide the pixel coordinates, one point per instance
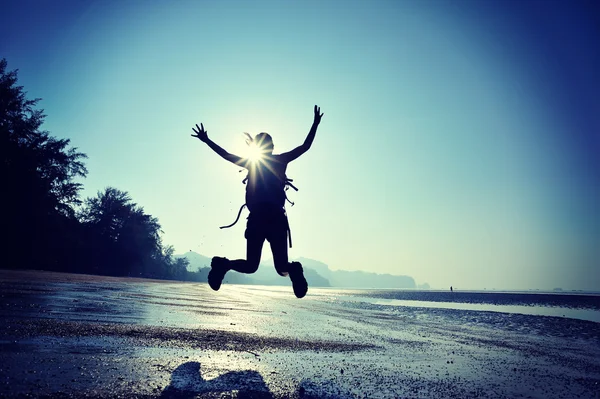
(582, 306)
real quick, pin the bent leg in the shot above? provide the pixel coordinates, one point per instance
(278, 242)
(253, 253)
(280, 254)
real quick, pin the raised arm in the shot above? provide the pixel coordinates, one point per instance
(202, 135)
(296, 152)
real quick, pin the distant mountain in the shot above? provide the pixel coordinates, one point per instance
(320, 267)
(358, 279)
(196, 260)
(317, 274)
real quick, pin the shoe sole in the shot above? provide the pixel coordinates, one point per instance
(215, 285)
(300, 287)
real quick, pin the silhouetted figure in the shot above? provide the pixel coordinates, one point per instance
(451, 289)
(265, 198)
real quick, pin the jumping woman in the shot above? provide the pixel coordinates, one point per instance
(265, 199)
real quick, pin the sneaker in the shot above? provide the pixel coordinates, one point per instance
(298, 281)
(218, 268)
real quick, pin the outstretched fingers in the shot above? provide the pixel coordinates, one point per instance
(200, 132)
(318, 111)
(200, 129)
(318, 114)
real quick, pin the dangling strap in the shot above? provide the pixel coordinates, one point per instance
(288, 183)
(289, 231)
(236, 219)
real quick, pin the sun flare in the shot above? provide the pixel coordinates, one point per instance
(254, 153)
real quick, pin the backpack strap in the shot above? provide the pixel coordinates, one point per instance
(236, 219)
(289, 231)
(286, 185)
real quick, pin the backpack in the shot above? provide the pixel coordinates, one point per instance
(287, 183)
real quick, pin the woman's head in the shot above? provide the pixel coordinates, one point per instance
(263, 141)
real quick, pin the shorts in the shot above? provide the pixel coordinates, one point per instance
(269, 224)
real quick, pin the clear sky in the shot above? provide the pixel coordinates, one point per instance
(459, 145)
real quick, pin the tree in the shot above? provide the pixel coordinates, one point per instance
(110, 234)
(127, 240)
(38, 172)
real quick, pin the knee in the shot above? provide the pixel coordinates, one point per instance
(252, 266)
(282, 268)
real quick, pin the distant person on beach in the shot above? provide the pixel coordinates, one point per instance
(265, 198)
(450, 288)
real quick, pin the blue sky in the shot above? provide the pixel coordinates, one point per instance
(459, 144)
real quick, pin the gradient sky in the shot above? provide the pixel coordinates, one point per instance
(460, 143)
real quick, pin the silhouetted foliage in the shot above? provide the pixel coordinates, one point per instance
(42, 229)
(38, 172)
(128, 240)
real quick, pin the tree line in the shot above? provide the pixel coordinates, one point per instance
(47, 225)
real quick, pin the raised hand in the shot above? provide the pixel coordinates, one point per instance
(318, 115)
(201, 134)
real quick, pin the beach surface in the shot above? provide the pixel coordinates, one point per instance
(68, 335)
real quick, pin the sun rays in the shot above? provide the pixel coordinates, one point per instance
(258, 156)
(259, 159)
(255, 153)
(258, 150)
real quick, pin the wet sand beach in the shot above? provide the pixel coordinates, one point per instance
(66, 335)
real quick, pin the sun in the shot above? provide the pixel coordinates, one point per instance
(254, 153)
